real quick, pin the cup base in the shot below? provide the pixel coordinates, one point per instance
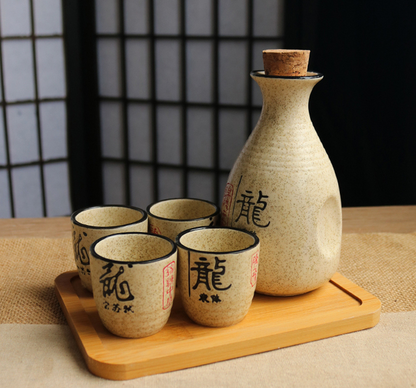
(135, 333)
(215, 322)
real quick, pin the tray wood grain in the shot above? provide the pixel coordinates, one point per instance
(338, 307)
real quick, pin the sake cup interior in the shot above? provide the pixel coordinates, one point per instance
(109, 216)
(183, 209)
(133, 247)
(216, 240)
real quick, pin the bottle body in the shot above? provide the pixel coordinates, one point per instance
(283, 188)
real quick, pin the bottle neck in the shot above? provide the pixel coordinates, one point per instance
(286, 99)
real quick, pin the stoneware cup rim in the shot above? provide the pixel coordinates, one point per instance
(79, 211)
(155, 236)
(252, 234)
(215, 213)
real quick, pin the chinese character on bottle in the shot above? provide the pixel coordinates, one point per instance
(252, 211)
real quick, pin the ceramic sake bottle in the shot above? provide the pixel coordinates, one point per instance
(283, 186)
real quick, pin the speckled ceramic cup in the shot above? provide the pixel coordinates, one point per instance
(172, 216)
(217, 274)
(133, 278)
(93, 223)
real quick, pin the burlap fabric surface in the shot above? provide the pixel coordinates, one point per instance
(382, 263)
(385, 265)
(28, 268)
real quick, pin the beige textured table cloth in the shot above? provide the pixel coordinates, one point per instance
(37, 347)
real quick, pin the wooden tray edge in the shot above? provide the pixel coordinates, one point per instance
(83, 325)
(368, 317)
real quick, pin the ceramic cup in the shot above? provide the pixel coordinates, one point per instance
(93, 223)
(172, 216)
(217, 274)
(133, 279)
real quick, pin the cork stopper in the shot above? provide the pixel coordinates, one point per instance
(286, 62)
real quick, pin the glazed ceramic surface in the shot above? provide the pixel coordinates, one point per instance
(217, 274)
(283, 188)
(172, 216)
(133, 279)
(93, 223)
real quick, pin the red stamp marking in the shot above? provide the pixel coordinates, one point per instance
(154, 229)
(168, 284)
(226, 202)
(254, 268)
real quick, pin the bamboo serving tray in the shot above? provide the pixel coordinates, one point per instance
(338, 307)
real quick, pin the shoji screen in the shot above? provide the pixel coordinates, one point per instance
(33, 150)
(176, 99)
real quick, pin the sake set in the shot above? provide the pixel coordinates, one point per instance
(282, 192)
(187, 283)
